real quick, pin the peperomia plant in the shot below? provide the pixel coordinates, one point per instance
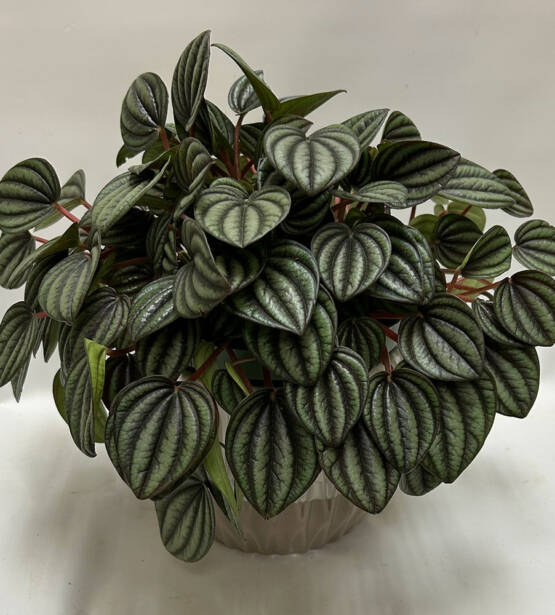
(257, 269)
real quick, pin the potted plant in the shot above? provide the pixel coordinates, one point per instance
(242, 319)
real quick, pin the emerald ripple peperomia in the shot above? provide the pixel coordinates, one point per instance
(263, 269)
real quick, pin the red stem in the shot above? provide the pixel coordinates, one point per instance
(207, 363)
(466, 210)
(86, 204)
(267, 378)
(66, 213)
(412, 213)
(41, 315)
(39, 239)
(384, 358)
(164, 138)
(233, 357)
(389, 333)
(236, 147)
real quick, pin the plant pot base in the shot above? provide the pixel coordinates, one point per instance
(302, 526)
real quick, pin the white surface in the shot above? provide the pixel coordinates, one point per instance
(476, 75)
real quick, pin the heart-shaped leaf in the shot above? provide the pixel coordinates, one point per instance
(119, 196)
(392, 194)
(421, 166)
(297, 358)
(410, 274)
(162, 432)
(227, 392)
(71, 195)
(522, 207)
(350, 259)
(535, 246)
(484, 313)
(366, 125)
(152, 308)
(399, 127)
(272, 457)
(525, 306)
(14, 249)
(303, 105)
(359, 471)
(192, 163)
(189, 81)
(65, 286)
(401, 414)
(307, 213)
(516, 374)
(474, 185)
(144, 111)
(240, 267)
(267, 98)
(168, 351)
(284, 295)
(241, 97)
(18, 333)
(331, 407)
(199, 285)
(312, 163)
(490, 256)
(466, 415)
(161, 245)
(363, 335)
(443, 340)
(228, 212)
(186, 520)
(418, 481)
(27, 193)
(454, 237)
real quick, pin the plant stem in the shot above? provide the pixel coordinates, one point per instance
(453, 281)
(164, 138)
(120, 352)
(389, 333)
(198, 373)
(466, 210)
(267, 378)
(249, 165)
(86, 204)
(236, 134)
(384, 358)
(66, 213)
(233, 358)
(412, 213)
(39, 239)
(41, 315)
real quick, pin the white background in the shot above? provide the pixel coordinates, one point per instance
(477, 76)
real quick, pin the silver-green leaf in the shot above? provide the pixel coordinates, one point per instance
(535, 246)
(490, 256)
(18, 333)
(366, 125)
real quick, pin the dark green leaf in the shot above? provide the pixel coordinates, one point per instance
(466, 415)
(119, 196)
(186, 520)
(307, 214)
(119, 372)
(490, 256)
(129, 279)
(350, 259)
(240, 267)
(535, 246)
(241, 97)
(124, 154)
(516, 374)
(443, 340)
(161, 245)
(189, 81)
(312, 163)
(331, 407)
(454, 237)
(399, 127)
(409, 275)
(272, 457)
(192, 163)
(401, 414)
(14, 249)
(525, 306)
(58, 394)
(391, 193)
(476, 214)
(426, 224)
(363, 335)
(199, 285)
(421, 166)
(226, 391)
(228, 212)
(474, 185)
(152, 308)
(484, 313)
(284, 295)
(359, 471)
(168, 351)
(297, 358)
(267, 98)
(27, 193)
(162, 432)
(143, 111)
(366, 125)
(418, 481)
(65, 286)
(522, 207)
(18, 380)
(303, 105)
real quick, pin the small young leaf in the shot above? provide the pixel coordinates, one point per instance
(192, 163)
(366, 125)
(390, 193)
(399, 127)
(96, 355)
(241, 97)
(454, 237)
(522, 207)
(227, 392)
(490, 256)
